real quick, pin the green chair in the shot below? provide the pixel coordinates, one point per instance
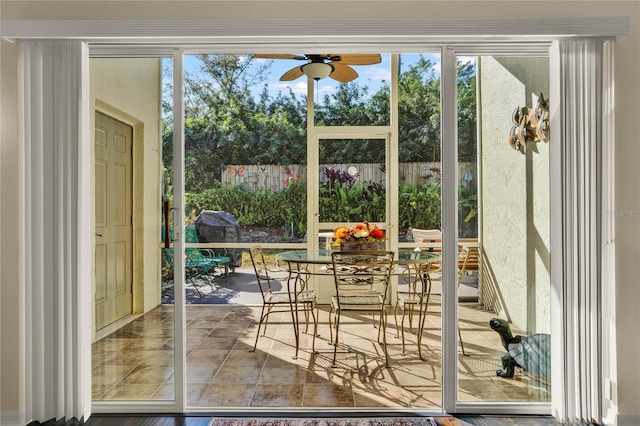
(202, 265)
(219, 255)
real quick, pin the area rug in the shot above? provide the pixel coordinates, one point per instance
(359, 421)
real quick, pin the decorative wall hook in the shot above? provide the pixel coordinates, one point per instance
(529, 124)
(539, 118)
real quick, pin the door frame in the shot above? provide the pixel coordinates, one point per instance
(137, 290)
(450, 403)
(313, 171)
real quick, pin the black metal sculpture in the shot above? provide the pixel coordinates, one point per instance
(531, 353)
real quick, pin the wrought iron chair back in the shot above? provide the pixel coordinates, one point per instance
(361, 282)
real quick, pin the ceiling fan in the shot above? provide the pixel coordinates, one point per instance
(320, 66)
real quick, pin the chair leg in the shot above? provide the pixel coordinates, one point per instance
(330, 327)
(461, 344)
(410, 312)
(383, 326)
(395, 317)
(266, 319)
(262, 317)
(422, 317)
(213, 276)
(194, 285)
(306, 318)
(404, 311)
(211, 280)
(315, 326)
(335, 348)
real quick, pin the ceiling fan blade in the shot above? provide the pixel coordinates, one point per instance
(292, 74)
(343, 73)
(358, 59)
(277, 56)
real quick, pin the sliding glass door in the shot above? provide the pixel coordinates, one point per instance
(460, 149)
(133, 347)
(503, 283)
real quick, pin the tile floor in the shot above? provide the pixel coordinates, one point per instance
(136, 362)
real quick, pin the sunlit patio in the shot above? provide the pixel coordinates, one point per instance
(136, 362)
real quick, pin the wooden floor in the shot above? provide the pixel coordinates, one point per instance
(466, 420)
(104, 420)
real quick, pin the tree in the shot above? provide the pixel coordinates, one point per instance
(225, 125)
(419, 112)
(351, 105)
(467, 131)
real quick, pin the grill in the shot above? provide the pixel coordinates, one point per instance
(215, 226)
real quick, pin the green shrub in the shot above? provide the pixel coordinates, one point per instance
(419, 207)
(286, 208)
(467, 211)
(352, 203)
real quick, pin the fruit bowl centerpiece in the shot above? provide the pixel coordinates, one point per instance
(361, 236)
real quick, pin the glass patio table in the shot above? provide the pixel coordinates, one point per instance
(323, 257)
(299, 260)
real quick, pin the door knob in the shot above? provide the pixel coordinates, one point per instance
(98, 235)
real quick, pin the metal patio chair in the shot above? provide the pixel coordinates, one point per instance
(361, 280)
(200, 270)
(297, 298)
(418, 296)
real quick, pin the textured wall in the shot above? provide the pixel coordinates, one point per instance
(515, 195)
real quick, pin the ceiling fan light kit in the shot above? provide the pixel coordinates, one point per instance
(317, 70)
(319, 66)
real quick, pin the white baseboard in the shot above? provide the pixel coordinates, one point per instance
(11, 418)
(628, 420)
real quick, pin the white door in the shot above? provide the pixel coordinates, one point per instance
(113, 210)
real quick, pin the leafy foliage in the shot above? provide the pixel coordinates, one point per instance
(225, 124)
(467, 130)
(262, 207)
(419, 207)
(468, 211)
(419, 113)
(344, 201)
(352, 203)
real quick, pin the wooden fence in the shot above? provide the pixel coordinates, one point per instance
(277, 177)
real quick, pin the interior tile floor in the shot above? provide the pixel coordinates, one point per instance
(136, 362)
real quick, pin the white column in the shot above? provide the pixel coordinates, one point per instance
(56, 207)
(449, 138)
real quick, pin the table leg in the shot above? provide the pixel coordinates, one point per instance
(293, 304)
(425, 292)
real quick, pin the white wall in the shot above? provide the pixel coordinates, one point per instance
(627, 92)
(10, 295)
